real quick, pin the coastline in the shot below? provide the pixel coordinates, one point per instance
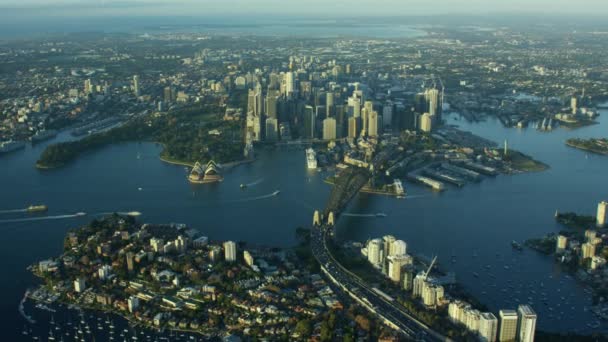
(587, 149)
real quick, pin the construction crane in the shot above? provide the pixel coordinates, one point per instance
(426, 274)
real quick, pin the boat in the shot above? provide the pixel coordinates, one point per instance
(37, 208)
(243, 186)
(43, 135)
(381, 215)
(516, 245)
(10, 146)
(276, 192)
(311, 158)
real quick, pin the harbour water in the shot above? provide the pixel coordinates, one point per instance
(473, 225)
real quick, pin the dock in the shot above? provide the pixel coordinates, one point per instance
(435, 185)
(485, 170)
(471, 175)
(442, 176)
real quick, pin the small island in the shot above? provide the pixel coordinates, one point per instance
(598, 146)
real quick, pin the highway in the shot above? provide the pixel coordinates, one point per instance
(393, 313)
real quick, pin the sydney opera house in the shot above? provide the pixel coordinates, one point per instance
(209, 174)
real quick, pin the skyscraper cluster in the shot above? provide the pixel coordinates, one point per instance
(317, 106)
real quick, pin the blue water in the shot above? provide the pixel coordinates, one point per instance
(474, 223)
(18, 25)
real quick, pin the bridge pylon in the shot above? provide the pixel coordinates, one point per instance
(330, 218)
(316, 218)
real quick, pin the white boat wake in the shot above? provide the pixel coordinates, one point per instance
(123, 213)
(13, 211)
(364, 215)
(255, 182)
(276, 193)
(43, 218)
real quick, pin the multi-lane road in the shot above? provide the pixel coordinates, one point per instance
(386, 308)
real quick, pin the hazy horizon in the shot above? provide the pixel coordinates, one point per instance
(336, 8)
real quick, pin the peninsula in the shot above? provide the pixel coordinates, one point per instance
(598, 146)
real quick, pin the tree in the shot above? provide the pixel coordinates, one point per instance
(304, 328)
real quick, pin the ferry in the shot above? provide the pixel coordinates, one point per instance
(10, 146)
(311, 158)
(37, 208)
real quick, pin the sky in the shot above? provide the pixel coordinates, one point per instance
(326, 8)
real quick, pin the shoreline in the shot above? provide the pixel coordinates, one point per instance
(586, 149)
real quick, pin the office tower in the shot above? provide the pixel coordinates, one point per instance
(133, 304)
(408, 118)
(168, 95)
(289, 84)
(353, 127)
(329, 129)
(329, 104)
(597, 261)
(130, 261)
(230, 251)
(251, 101)
(590, 235)
(527, 323)
(248, 258)
(373, 129)
(272, 129)
(354, 105)
(432, 98)
(587, 250)
(157, 244)
(562, 243)
(274, 81)
(488, 326)
(215, 253)
(398, 247)
(136, 85)
(256, 126)
(104, 272)
(374, 252)
(88, 86)
(79, 285)
(387, 114)
(574, 105)
(507, 331)
(341, 121)
(309, 123)
(420, 103)
(271, 104)
(320, 112)
(408, 277)
(396, 263)
(254, 100)
(426, 123)
(602, 210)
(369, 106)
